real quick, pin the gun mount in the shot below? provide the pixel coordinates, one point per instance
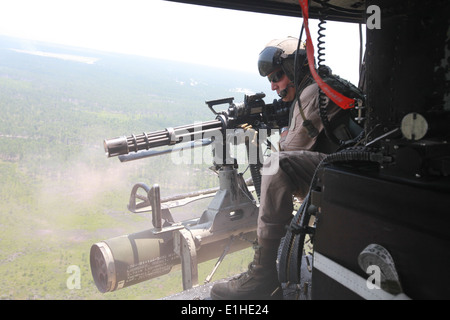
(227, 225)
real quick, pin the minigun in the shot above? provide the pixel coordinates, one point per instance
(227, 225)
(253, 111)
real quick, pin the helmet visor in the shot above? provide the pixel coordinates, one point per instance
(269, 60)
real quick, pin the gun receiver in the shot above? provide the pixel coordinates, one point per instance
(227, 225)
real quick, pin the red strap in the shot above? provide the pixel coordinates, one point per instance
(336, 97)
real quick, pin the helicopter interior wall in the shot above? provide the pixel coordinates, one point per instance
(407, 66)
(411, 222)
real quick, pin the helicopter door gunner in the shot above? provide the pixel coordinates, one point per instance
(298, 161)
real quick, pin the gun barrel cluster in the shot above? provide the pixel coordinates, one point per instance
(169, 136)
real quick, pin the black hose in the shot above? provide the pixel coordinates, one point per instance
(292, 245)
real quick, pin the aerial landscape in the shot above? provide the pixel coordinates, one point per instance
(59, 193)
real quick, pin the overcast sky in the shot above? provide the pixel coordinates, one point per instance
(156, 28)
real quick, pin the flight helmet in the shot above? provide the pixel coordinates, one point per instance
(280, 53)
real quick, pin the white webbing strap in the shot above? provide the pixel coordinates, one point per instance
(351, 280)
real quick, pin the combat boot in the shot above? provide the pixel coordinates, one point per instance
(259, 282)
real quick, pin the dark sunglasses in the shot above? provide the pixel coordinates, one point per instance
(276, 76)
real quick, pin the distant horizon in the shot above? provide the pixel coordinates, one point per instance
(87, 59)
(223, 38)
(91, 60)
(185, 73)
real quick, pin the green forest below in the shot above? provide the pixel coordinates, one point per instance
(59, 193)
